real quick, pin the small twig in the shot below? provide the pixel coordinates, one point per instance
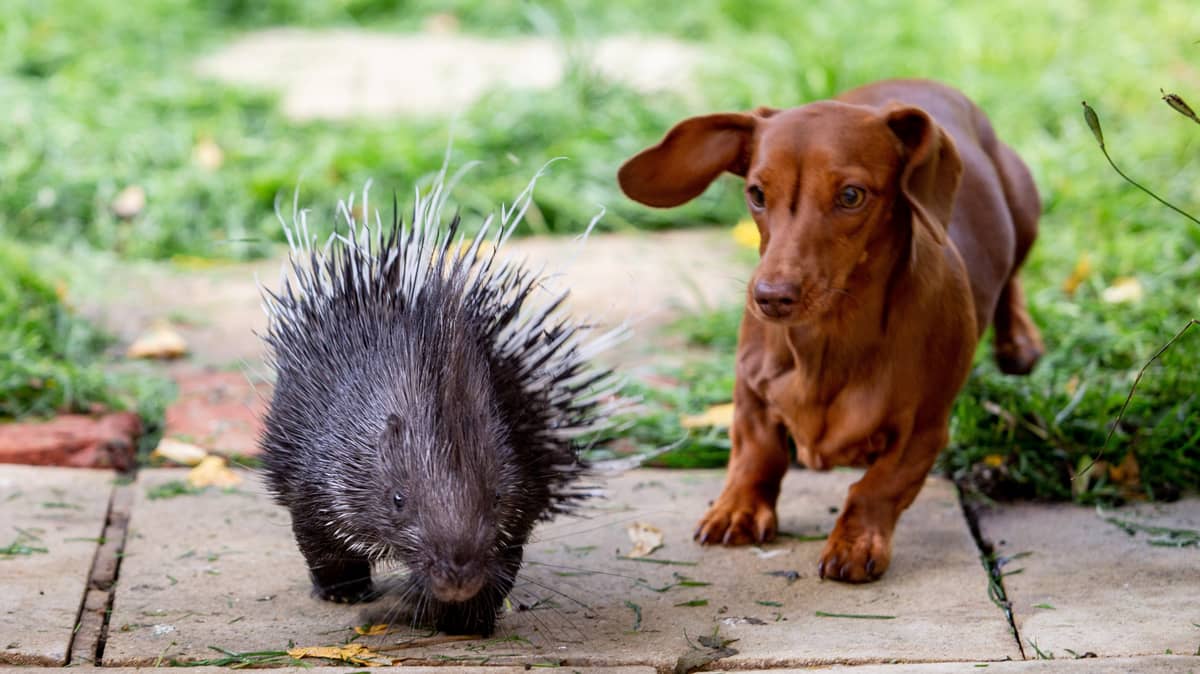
(651, 560)
(1093, 122)
(860, 616)
(1128, 398)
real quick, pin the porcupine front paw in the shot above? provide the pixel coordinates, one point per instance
(459, 621)
(346, 582)
(361, 593)
(739, 516)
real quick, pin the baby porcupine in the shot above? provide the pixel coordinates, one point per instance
(429, 409)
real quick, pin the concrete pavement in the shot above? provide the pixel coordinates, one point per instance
(219, 570)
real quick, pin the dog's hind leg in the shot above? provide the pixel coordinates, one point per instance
(1018, 344)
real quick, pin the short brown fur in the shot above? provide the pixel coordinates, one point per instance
(863, 315)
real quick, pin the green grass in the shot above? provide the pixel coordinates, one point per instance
(102, 95)
(53, 361)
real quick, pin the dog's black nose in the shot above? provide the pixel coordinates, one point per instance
(776, 300)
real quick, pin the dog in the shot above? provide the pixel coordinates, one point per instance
(892, 226)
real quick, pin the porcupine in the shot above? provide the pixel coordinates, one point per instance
(428, 409)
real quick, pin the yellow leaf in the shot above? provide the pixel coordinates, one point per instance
(993, 460)
(355, 654)
(646, 538)
(1072, 385)
(1127, 473)
(745, 233)
(179, 452)
(718, 416)
(372, 630)
(441, 23)
(208, 155)
(1083, 267)
(1123, 290)
(195, 262)
(129, 202)
(212, 471)
(160, 341)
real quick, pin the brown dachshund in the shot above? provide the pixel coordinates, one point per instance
(892, 223)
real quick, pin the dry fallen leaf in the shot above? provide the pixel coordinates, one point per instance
(129, 202)
(179, 452)
(646, 538)
(719, 416)
(372, 630)
(768, 554)
(441, 23)
(1123, 290)
(355, 654)
(1072, 385)
(213, 471)
(1128, 476)
(208, 155)
(745, 233)
(1083, 267)
(160, 341)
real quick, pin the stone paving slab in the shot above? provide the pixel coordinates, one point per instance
(1166, 664)
(484, 669)
(1112, 593)
(221, 570)
(59, 514)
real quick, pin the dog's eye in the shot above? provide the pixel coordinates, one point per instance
(851, 197)
(756, 196)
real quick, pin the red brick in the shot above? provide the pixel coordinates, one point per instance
(219, 411)
(76, 440)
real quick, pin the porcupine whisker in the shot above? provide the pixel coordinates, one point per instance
(568, 534)
(556, 591)
(541, 603)
(581, 569)
(549, 630)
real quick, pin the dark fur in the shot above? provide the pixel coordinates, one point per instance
(386, 387)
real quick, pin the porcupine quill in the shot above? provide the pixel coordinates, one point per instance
(431, 405)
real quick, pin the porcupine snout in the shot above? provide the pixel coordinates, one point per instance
(457, 578)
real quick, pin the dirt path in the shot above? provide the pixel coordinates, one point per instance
(339, 74)
(647, 280)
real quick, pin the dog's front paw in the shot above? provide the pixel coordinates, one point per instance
(737, 518)
(855, 553)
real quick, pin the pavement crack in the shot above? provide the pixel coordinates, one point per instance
(991, 563)
(91, 629)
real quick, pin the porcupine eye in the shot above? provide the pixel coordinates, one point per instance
(398, 500)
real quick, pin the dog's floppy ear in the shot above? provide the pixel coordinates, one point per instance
(689, 158)
(932, 168)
